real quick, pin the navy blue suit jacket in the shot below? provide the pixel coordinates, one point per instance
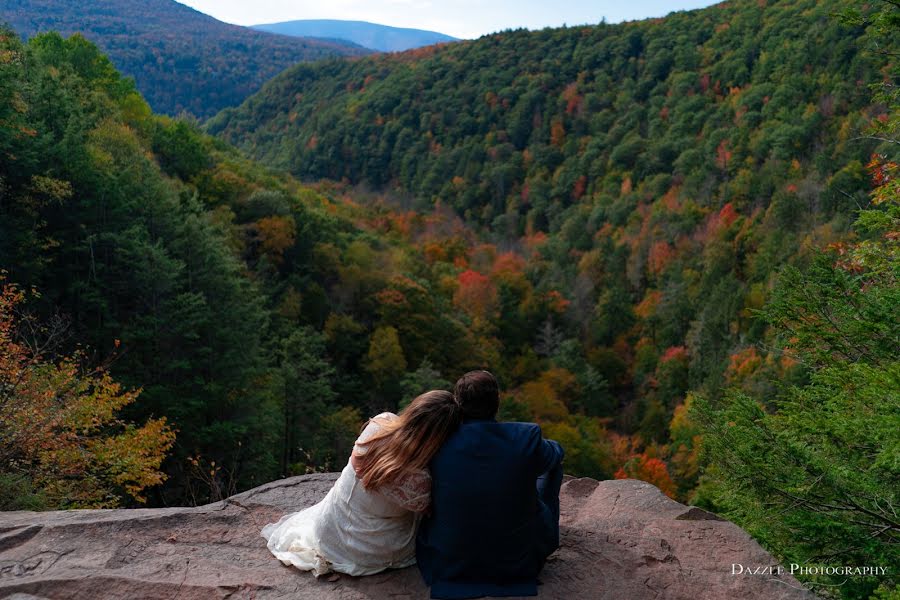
(488, 535)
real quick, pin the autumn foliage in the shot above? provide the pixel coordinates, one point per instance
(476, 294)
(276, 234)
(650, 469)
(59, 427)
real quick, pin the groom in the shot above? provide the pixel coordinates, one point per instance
(494, 502)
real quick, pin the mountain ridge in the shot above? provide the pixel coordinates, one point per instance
(383, 38)
(181, 58)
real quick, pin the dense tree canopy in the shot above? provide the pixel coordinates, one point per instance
(814, 469)
(264, 320)
(61, 443)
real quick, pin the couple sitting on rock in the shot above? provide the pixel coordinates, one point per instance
(473, 501)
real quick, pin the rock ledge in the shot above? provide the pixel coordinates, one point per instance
(621, 540)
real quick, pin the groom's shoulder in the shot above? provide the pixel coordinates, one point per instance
(508, 426)
(500, 431)
(519, 430)
(529, 428)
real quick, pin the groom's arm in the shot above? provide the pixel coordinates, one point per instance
(550, 455)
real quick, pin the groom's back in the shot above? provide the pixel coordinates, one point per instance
(484, 533)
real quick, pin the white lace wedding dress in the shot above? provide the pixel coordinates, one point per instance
(353, 530)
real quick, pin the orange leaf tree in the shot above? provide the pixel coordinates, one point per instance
(61, 441)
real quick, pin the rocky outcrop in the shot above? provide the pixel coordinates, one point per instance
(621, 540)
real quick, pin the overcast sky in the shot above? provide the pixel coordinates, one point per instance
(459, 18)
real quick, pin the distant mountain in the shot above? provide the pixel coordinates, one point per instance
(180, 58)
(370, 35)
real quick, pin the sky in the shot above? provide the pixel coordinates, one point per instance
(459, 18)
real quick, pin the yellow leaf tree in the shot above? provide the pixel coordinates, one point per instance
(61, 440)
(385, 361)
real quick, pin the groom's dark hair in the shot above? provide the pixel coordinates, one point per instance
(478, 394)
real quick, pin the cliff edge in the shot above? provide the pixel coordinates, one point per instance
(621, 540)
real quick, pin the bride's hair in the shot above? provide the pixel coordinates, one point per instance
(410, 441)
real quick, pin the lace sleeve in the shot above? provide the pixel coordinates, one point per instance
(412, 491)
(369, 432)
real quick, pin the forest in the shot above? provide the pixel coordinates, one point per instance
(183, 61)
(675, 242)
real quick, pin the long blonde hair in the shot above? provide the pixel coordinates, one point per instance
(410, 441)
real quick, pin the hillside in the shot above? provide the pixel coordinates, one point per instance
(181, 59)
(608, 102)
(369, 35)
(657, 173)
(263, 319)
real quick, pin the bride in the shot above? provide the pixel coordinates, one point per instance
(367, 522)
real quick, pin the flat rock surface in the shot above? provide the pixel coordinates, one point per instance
(621, 540)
